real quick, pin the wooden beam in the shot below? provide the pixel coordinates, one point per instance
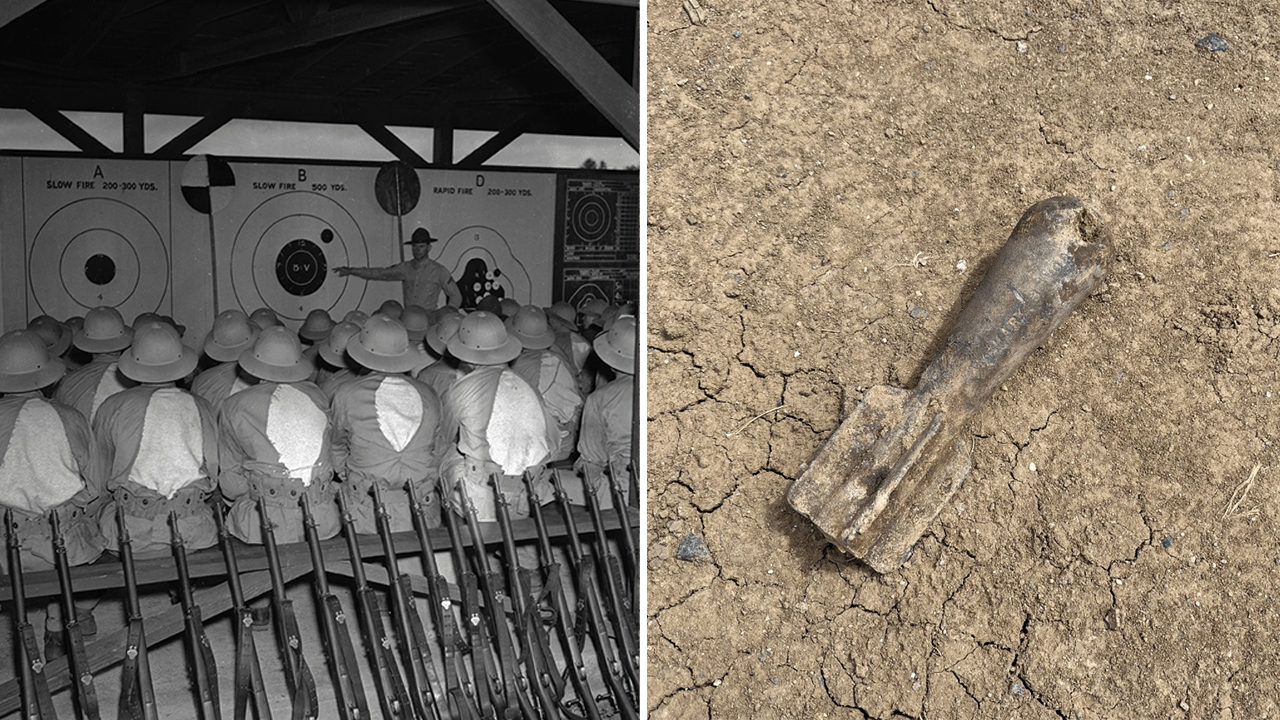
(202, 129)
(575, 58)
(391, 141)
(282, 38)
(442, 141)
(494, 144)
(134, 141)
(63, 125)
(13, 9)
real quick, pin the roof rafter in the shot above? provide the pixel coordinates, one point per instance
(67, 128)
(575, 58)
(320, 28)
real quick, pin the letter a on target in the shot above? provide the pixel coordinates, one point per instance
(208, 183)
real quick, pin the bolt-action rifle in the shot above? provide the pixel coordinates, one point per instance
(488, 683)
(297, 674)
(513, 681)
(628, 540)
(392, 695)
(614, 670)
(347, 688)
(538, 661)
(137, 692)
(618, 591)
(37, 703)
(551, 580)
(85, 694)
(203, 667)
(461, 690)
(248, 671)
(424, 684)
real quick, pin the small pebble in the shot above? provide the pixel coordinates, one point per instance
(1213, 42)
(919, 313)
(962, 265)
(1167, 542)
(737, 33)
(1016, 688)
(747, 96)
(692, 548)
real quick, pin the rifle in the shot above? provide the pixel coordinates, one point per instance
(302, 685)
(37, 703)
(488, 684)
(347, 689)
(617, 591)
(85, 694)
(423, 681)
(513, 681)
(203, 666)
(392, 695)
(461, 690)
(613, 670)
(551, 581)
(248, 671)
(137, 693)
(537, 656)
(628, 540)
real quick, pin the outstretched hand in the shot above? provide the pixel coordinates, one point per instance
(342, 270)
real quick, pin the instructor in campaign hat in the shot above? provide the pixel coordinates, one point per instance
(423, 278)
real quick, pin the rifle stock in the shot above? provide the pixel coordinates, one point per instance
(37, 703)
(347, 688)
(412, 636)
(203, 666)
(302, 685)
(85, 694)
(392, 695)
(551, 577)
(248, 670)
(461, 690)
(617, 592)
(137, 693)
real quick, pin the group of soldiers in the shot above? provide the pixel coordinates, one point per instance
(96, 413)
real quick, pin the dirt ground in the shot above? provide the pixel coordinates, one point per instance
(827, 184)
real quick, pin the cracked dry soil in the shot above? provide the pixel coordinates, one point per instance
(816, 174)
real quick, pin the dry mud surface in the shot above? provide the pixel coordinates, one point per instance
(816, 173)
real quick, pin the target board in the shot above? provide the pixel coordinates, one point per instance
(497, 229)
(598, 249)
(94, 233)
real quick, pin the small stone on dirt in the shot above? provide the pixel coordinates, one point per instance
(1167, 542)
(692, 548)
(1213, 42)
(1016, 688)
(919, 313)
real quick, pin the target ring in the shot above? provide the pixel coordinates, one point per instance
(104, 253)
(283, 250)
(481, 261)
(592, 218)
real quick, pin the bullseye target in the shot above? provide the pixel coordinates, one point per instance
(591, 218)
(481, 261)
(592, 290)
(282, 255)
(101, 252)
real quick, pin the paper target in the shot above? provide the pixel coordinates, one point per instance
(591, 218)
(101, 252)
(480, 259)
(590, 290)
(208, 183)
(283, 252)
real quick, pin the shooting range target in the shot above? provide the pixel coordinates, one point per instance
(397, 188)
(283, 253)
(208, 184)
(481, 261)
(96, 252)
(589, 290)
(591, 218)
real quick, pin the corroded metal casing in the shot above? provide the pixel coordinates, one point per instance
(897, 460)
